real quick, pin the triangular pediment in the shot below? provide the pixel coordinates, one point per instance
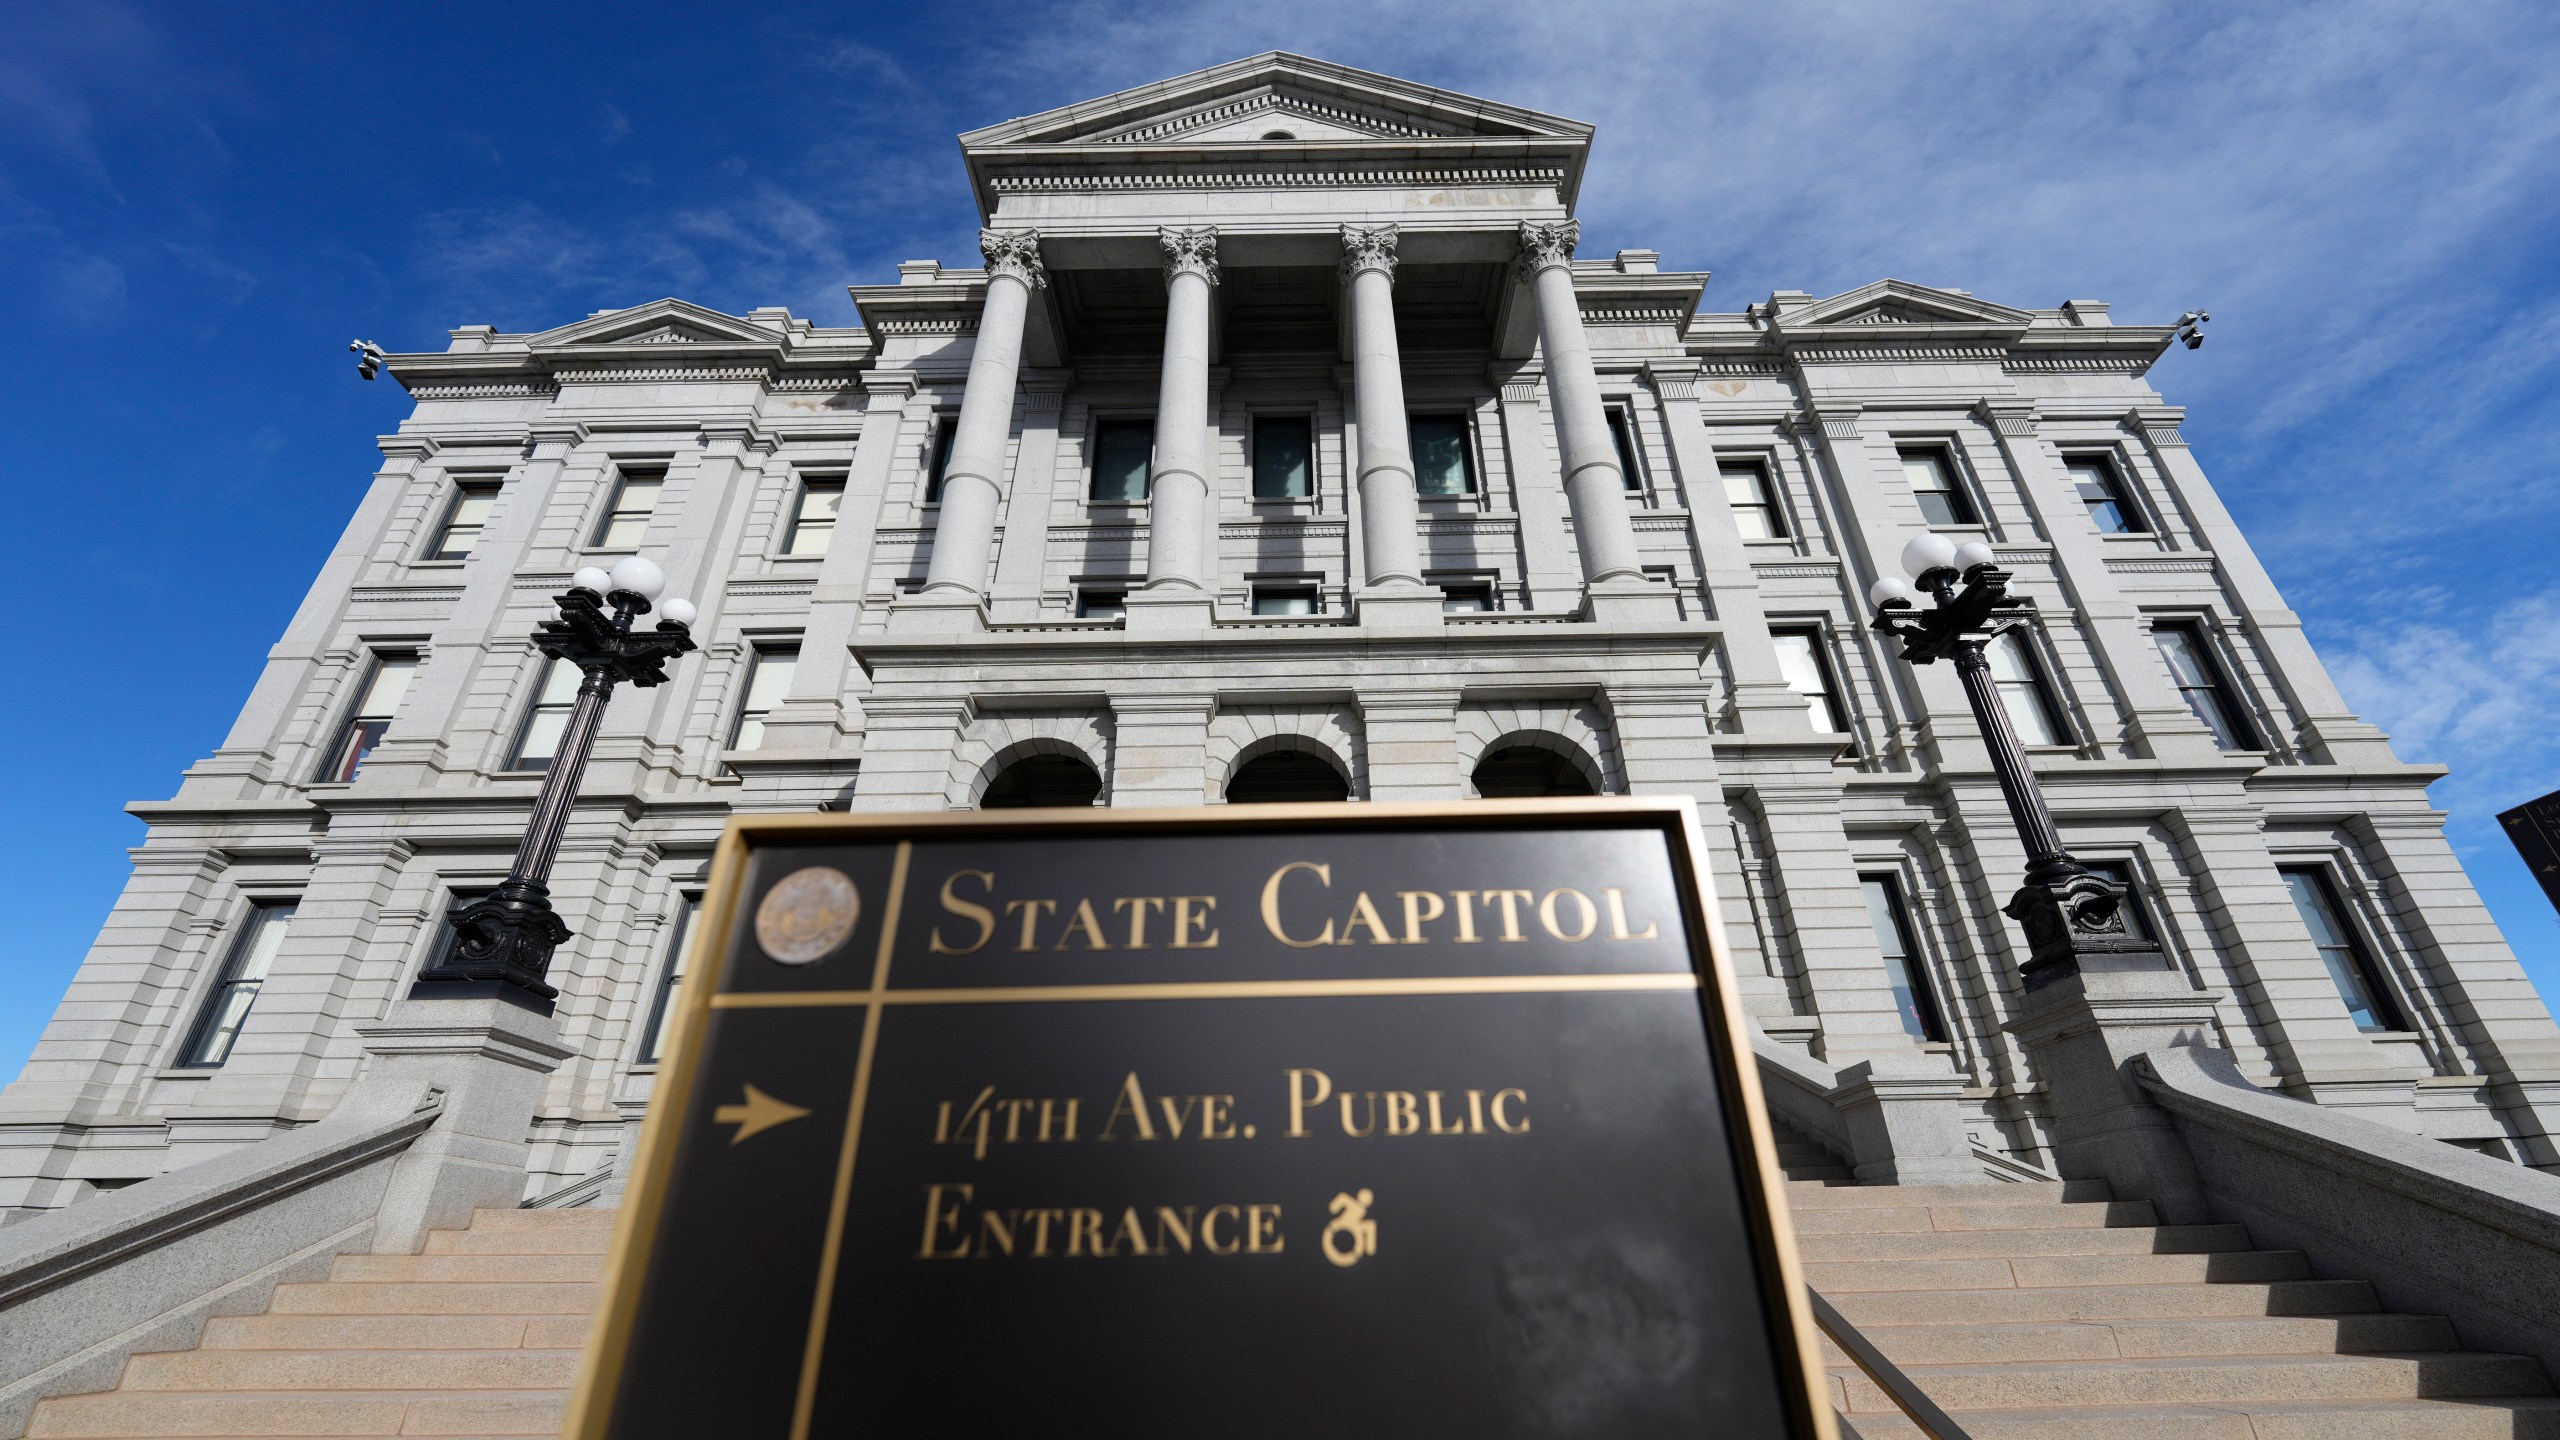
(1899, 302)
(660, 322)
(1307, 101)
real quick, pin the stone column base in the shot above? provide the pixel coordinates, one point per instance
(1170, 607)
(488, 1056)
(942, 612)
(1630, 601)
(1400, 607)
(2081, 1031)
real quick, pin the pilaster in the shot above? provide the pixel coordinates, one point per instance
(1160, 753)
(1412, 738)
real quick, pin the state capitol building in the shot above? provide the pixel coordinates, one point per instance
(1282, 443)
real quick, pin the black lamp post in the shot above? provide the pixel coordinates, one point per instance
(2074, 919)
(503, 941)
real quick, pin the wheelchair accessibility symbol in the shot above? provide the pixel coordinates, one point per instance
(1352, 1233)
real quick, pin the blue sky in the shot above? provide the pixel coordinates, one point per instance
(201, 204)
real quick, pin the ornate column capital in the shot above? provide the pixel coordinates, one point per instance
(1368, 247)
(1192, 252)
(1543, 246)
(1015, 253)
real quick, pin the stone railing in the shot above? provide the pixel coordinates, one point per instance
(215, 1238)
(2436, 1228)
(1896, 1119)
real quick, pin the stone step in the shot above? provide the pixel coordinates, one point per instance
(351, 1370)
(2514, 1418)
(541, 1240)
(393, 1332)
(413, 1269)
(518, 1219)
(1834, 1278)
(1976, 1344)
(2026, 1244)
(1884, 1308)
(2034, 1192)
(2207, 1380)
(1877, 1220)
(124, 1414)
(394, 1298)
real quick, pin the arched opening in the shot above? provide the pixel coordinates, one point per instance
(1525, 772)
(1278, 135)
(1040, 780)
(1285, 775)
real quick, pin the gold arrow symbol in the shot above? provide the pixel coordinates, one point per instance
(760, 1113)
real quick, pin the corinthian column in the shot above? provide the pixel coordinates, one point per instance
(971, 488)
(1178, 487)
(1390, 516)
(1593, 485)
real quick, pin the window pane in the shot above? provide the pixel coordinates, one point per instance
(653, 1041)
(1933, 483)
(946, 432)
(2096, 481)
(230, 1010)
(1622, 434)
(1440, 465)
(265, 937)
(1288, 600)
(2201, 684)
(2022, 690)
(1120, 454)
(1466, 598)
(2341, 952)
(1901, 966)
(463, 524)
(1283, 457)
(634, 501)
(1755, 511)
(767, 688)
(1800, 663)
(1101, 604)
(542, 731)
(815, 524)
(390, 682)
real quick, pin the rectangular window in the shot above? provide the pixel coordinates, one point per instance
(1933, 481)
(464, 519)
(635, 499)
(813, 523)
(2200, 680)
(653, 1036)
(371, 717)
(2351, 967)
(1101, 604)
(2022, 690)
(1283, 457)
(946, 432)
(1808, 670)
(1442, 463)
(768, 685)
(1754, 500)
(2137, 922)
(1284, 600)
(1904, 969)
(1121, 451)
(1466, 597)
(2102, 490)
(1622, 433)
(544, 724)
(253, 953)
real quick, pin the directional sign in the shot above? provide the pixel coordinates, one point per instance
(1288, 1120)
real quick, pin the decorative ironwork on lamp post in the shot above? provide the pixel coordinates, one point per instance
(2074, 918)
(503, 941)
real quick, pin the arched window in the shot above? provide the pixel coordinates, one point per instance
(1286, 775)
(1038, 780)
(1278, 135)
(1525, 772)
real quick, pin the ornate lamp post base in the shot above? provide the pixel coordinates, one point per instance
(502, 946)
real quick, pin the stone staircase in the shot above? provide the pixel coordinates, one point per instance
(2051, 1312)
(2031, 1311)
(478, 1336)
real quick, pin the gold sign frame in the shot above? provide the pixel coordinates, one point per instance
(636, 1232)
